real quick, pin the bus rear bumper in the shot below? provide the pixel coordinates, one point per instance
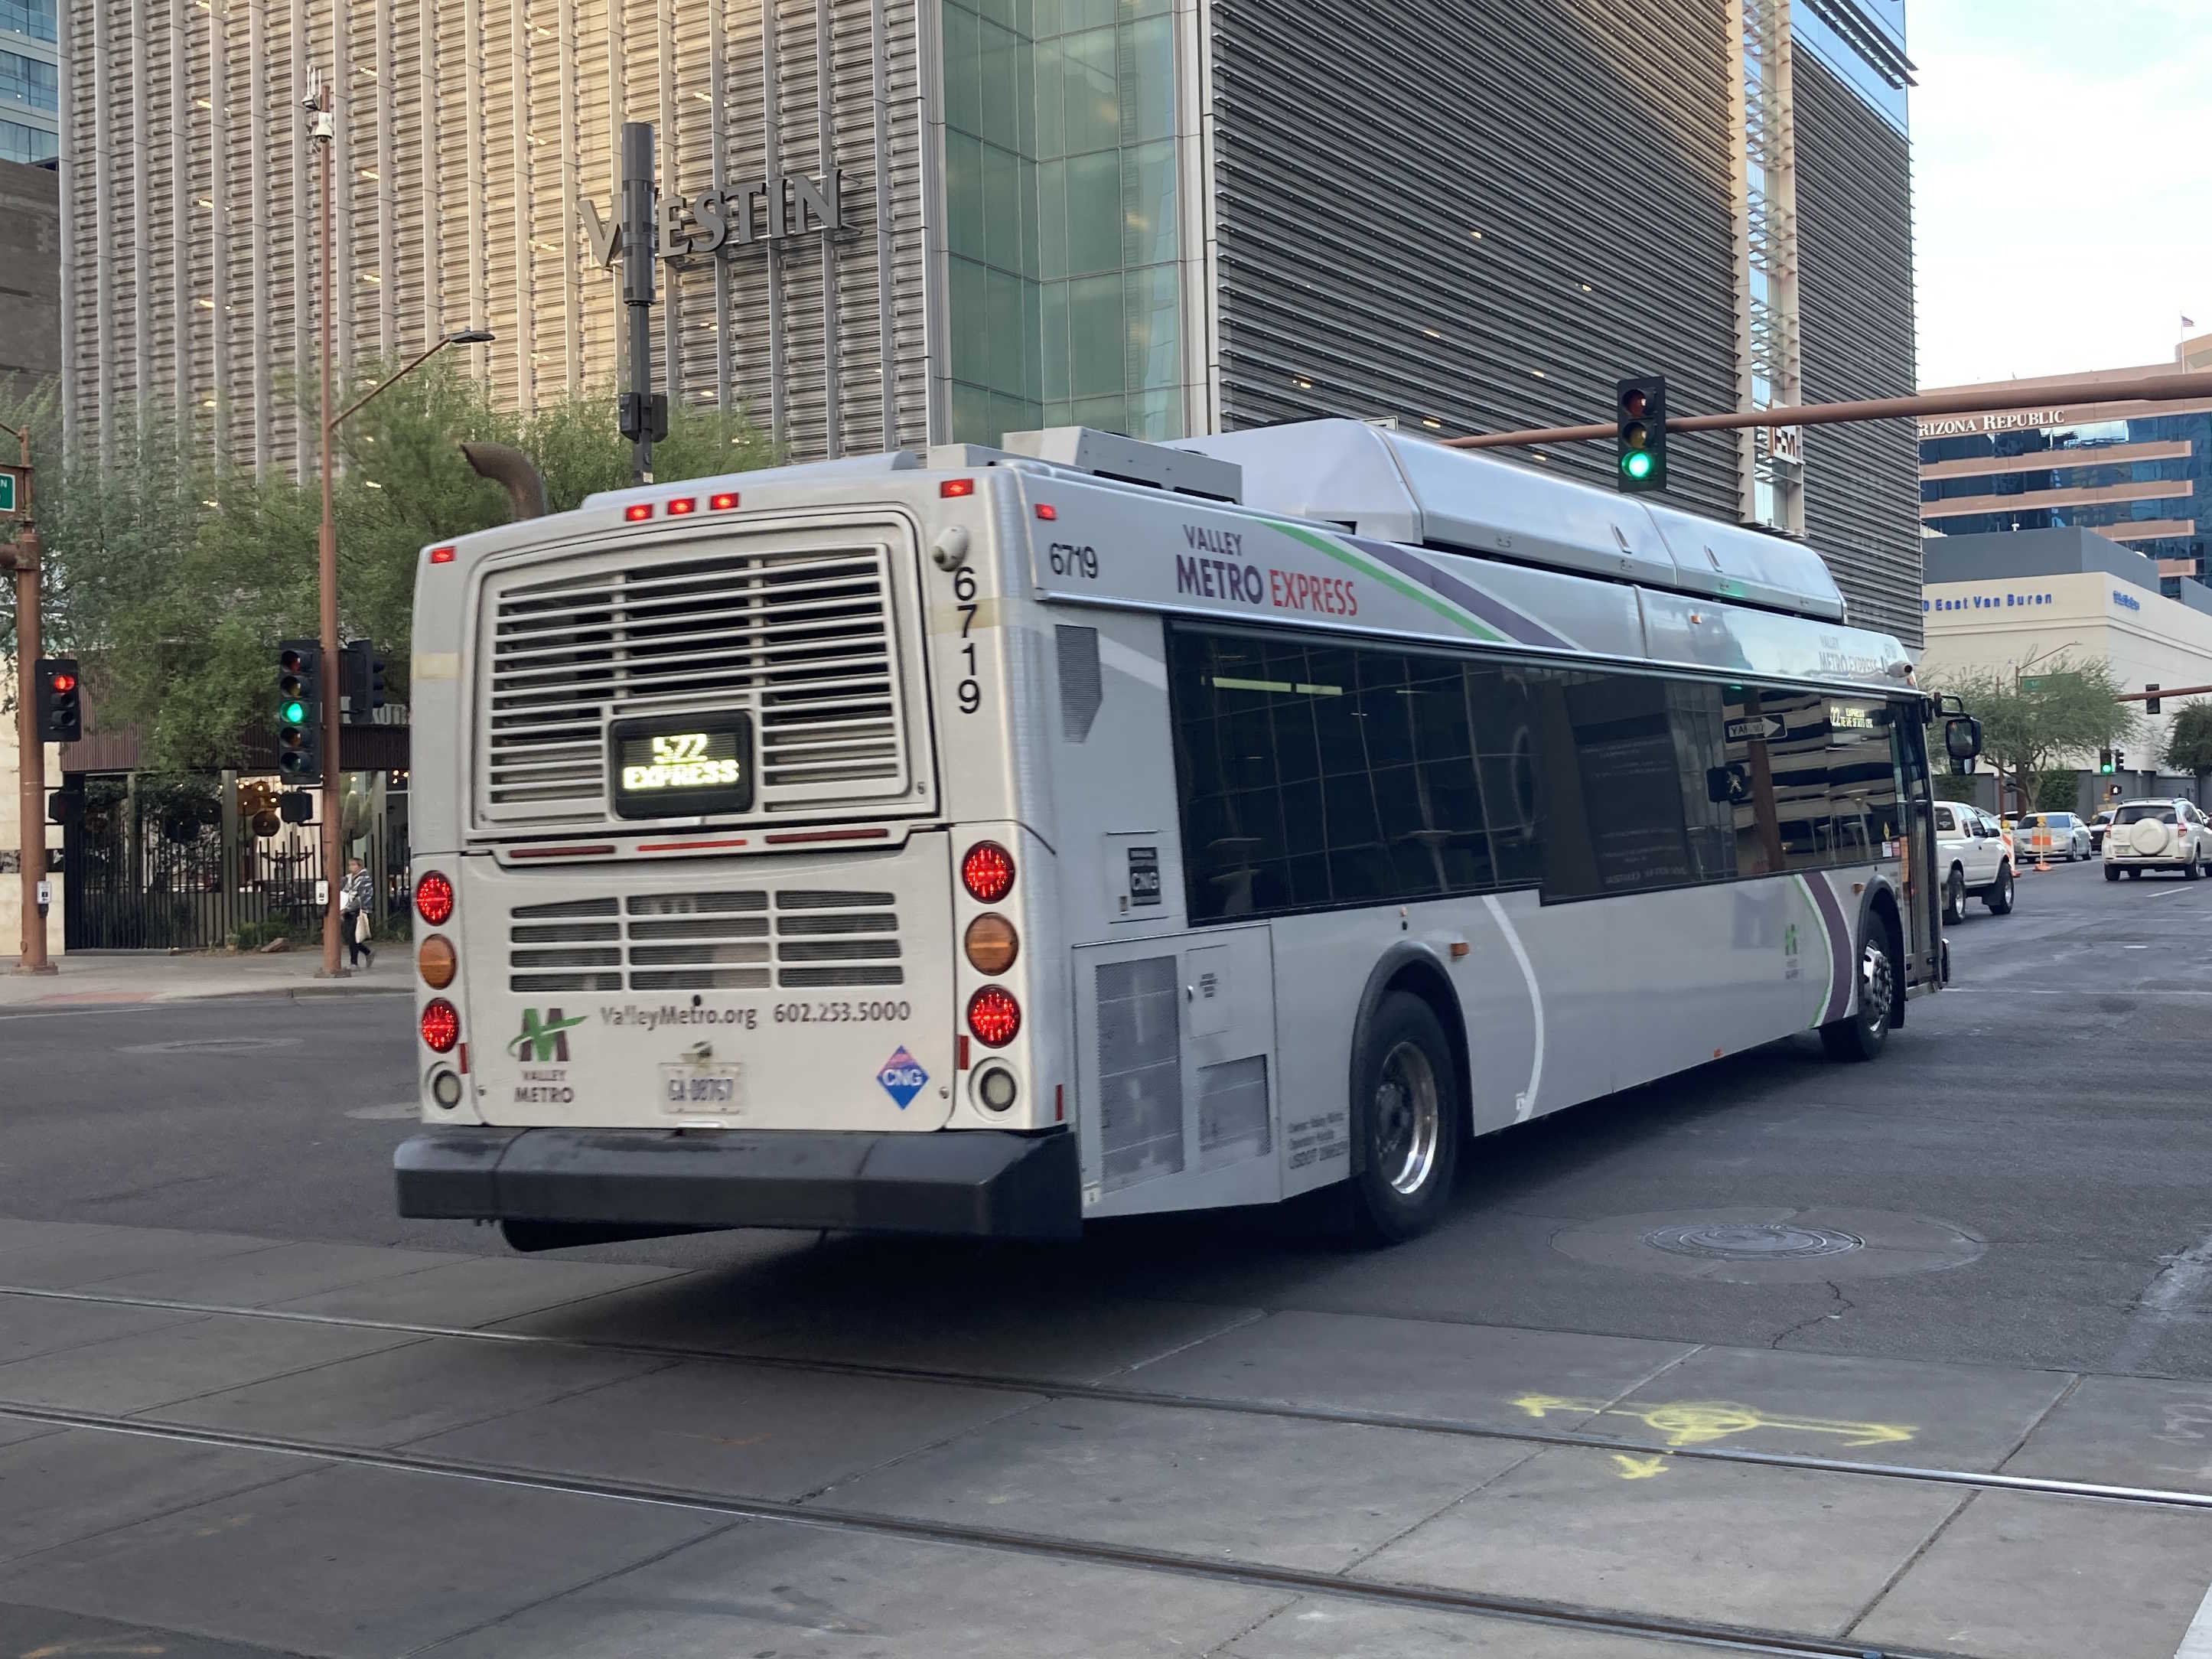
(557, 1186)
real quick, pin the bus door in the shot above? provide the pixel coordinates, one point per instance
(1922, 897)
(1177, 1092)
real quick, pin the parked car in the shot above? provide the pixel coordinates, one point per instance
(2097, 826)
(1975, 858)
(2045, 835)
(2158, 835)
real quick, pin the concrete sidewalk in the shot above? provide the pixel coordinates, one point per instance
(154, 977)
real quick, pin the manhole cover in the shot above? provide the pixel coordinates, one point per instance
(1752, 1241)
(213, 1045)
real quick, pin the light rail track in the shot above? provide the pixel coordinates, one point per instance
(1259, 1575)
(1123, 1394)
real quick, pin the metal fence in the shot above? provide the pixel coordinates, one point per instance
(155, 871)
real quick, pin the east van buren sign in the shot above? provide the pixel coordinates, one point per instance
(771, 209)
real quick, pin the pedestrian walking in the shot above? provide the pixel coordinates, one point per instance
(354, 900)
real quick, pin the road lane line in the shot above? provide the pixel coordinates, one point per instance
(2196, 1640)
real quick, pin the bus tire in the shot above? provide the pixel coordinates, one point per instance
(1406, 1112)
(1861, 1033)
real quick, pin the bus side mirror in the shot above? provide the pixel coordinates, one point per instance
(1962, 738)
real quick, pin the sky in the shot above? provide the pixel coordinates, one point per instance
(2061, 157)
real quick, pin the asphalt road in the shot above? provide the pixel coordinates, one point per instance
(2047, 1116)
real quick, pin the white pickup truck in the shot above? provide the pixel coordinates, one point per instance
(1977, 859)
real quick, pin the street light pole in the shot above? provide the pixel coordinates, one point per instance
(327, 552)
(30, 745)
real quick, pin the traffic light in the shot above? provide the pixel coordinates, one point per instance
(1639, 408)
(65, 806)
(300, 710)
(61, 718)
(295, 806)
(360, 683)
(2119, 758)
(2151, 702)
(2105, 762)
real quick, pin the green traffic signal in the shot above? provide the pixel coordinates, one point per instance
(294, 713)
(1636, 465)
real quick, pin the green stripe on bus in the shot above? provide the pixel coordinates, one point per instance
(1412, 591)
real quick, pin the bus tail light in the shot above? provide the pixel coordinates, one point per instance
(987, 872)
(991, 943)
(435, 961)
(996, 1088)
(441, 1026)
(992, 1015)
(434, 898)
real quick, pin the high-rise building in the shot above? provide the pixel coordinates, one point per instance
(886, 222)
(30, 80)
(2137, 473)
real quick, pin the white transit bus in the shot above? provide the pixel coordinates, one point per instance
(984, 840)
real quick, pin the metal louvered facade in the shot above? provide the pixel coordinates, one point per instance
(1158, 216)
(1454, 215)
(1854, 256)
(468, 133)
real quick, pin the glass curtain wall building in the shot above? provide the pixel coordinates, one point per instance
(30, 80)
(1062, 232)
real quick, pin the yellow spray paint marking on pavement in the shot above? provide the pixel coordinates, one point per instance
(1639, 1468)
(1700, 1423)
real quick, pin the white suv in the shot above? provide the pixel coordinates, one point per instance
(1976, 859)
(2158, 835)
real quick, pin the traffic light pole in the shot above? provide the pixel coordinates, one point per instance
(30, 751)
(326, 549)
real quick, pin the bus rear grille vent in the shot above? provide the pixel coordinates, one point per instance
(711, 941)
(802, 638)
(1232, 1112)
(1140, 1072)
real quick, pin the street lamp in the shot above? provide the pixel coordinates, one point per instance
(31, 752)
(320, 132)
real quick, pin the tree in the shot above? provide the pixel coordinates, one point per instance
(2061, 709)
(2189, 741)
(173, 578)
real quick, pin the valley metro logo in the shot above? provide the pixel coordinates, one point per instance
(543, 1040)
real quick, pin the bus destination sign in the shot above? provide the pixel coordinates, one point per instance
(682, 765)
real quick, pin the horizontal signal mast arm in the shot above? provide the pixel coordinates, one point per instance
(2163, 691)
(2148, 388)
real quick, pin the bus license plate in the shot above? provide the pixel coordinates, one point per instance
(700, 1088)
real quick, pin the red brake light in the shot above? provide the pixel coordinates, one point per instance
(441, 556)
(1047, 510)
(951, 489)
(683, 504)
(441, 1025)
(722, 503)
(987, 872)
(638, 511)
(434, 898)
(992, 1015)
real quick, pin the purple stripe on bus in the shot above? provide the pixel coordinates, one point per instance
(1507, 620)
(1841, 957)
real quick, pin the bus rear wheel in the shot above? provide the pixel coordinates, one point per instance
(1406, 1113)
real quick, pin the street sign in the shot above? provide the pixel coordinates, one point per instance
(7, 490)
(1768, 728)
(2032, 683)
(1785, 445)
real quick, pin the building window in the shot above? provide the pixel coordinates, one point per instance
(1063, 209)
(32, 17)
(21, 143)
(28, 81)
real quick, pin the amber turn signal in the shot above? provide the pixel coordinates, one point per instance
(992, 944)
(435, 962)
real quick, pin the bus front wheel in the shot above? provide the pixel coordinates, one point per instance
(1861, 1033)
(1407, 1114)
